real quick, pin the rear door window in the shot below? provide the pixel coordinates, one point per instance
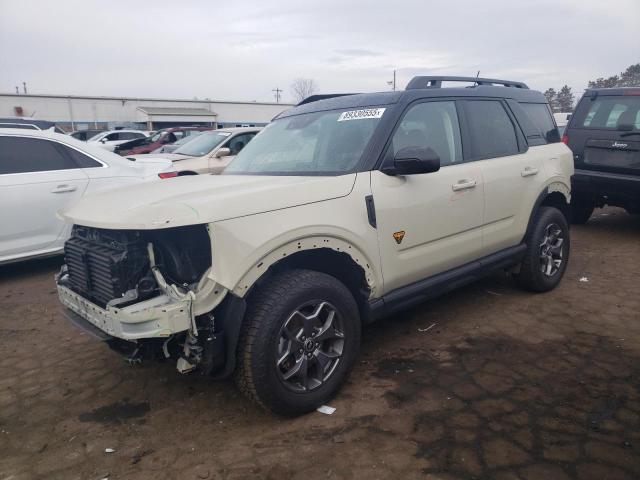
(610, 112)
(491, 131)
(541, 116)
(82, 160)
(24, 155)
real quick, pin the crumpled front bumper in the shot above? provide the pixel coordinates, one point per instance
(157, 317)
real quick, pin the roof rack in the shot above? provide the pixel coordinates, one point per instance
(436, 82)
(315, 98)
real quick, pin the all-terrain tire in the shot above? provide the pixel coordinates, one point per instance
(531, 275)
(269, 308)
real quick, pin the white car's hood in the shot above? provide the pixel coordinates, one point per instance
(197, 199)
(157, 156)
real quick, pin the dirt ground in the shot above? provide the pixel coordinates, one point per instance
(504, 385)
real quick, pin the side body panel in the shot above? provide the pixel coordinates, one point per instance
(512, 186)
(252, 243)
(442, 226)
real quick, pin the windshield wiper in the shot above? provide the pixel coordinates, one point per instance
(629, 133)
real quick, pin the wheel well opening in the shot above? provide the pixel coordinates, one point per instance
(337, 264)
(559, 201)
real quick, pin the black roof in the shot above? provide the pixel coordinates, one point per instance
(611, 91)
(419, 88)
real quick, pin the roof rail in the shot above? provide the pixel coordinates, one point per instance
(315, 98)
(436, 82)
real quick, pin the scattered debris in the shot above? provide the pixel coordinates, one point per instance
(427, 329)
(326, 409)
(109, 450)
(584, 279)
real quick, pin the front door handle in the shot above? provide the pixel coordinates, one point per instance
(464, 184)
(64, 188)
(529, 171)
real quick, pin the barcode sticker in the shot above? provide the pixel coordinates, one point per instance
(361, 114)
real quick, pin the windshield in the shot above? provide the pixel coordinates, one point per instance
(321, 143)
(202, 144)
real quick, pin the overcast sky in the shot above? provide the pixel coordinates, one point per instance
(241, 50)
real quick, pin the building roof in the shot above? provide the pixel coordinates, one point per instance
(139, 99)
(192, 112)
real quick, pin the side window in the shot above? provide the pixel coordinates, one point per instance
(23, 155)
(540, 114)
(237, 143)
(491, 131)
(82, 160)
(112, 136)
(431, 125)
(177, 135)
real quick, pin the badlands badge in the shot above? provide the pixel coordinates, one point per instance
(399, 236)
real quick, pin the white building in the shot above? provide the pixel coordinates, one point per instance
(72, 112)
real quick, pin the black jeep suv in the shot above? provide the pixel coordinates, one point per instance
(604, 136)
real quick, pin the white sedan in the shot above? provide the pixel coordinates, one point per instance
(109, 139)
(42, 172)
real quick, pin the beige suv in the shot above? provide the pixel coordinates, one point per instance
(342, 210)
(209, 152)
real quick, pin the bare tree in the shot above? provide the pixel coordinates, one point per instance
(302, 88)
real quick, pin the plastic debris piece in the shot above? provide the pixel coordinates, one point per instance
(326, 409)
(584, 279)
(109, 450)
(427, 329)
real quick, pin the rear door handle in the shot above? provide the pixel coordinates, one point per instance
(464, 184)
(64, 188)
(529, 171)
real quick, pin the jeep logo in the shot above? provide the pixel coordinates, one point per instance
(619, 145)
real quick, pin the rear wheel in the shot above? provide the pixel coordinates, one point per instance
(299, 341)
(547, 251)
(581, 209)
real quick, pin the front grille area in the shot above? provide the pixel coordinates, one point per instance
(104, 264)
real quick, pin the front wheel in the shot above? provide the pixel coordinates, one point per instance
(299, 341)
(547, 251)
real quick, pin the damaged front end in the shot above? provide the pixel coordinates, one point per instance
(150, 293)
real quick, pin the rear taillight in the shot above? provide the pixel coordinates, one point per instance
(565, 139)
(168, 174)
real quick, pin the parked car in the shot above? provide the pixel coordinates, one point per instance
(172, 147)
(163, 137)
(109, 139)
(604, 135)
(339, 212)
(562, 119)
(29, 124)
(42, 172)
(211, 151)
(85, 135)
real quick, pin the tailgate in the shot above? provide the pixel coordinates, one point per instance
(621, 154)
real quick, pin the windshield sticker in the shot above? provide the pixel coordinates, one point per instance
(361, 114)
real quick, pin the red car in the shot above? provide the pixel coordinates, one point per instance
(162, 137)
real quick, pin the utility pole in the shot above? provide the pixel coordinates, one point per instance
(392, 83)
(24, 87)
(276, 91)
(17, 90)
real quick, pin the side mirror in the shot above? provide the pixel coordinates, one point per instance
(413, 161)
(223, 152)
(103, 140)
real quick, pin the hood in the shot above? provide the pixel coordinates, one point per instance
(156, 156)
(198, 199)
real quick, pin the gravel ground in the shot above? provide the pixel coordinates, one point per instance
(486, 382)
